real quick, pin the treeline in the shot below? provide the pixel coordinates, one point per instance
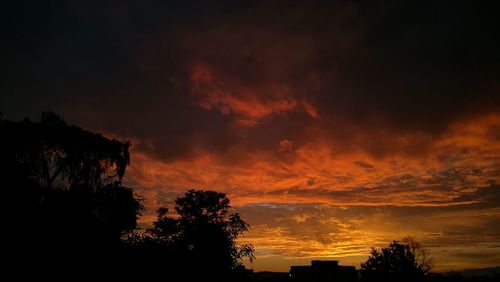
(68, 214)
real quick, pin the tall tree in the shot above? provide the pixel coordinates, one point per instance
(67, 205)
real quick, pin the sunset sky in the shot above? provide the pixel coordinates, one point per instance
(333, 126)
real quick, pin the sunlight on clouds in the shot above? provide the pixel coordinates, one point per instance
(248, 104)
(319, 203)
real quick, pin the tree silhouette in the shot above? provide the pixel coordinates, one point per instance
(202, 238)
(165, 229)
(422, 262)
(70, 212)
(404, 260)
(68, 208)
(209, 231)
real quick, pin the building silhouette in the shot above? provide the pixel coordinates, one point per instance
(324, 271)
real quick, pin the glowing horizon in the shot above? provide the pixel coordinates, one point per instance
(332, 126)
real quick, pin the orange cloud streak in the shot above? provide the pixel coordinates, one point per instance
(248, 104)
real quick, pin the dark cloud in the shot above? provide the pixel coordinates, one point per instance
(384, 68)
(489, 196)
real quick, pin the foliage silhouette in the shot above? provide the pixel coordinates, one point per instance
(405, 260)
(70, 215)
(67, 205)
(208, 230)
(202, 238)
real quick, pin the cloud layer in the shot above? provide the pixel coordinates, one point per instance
(332, 126)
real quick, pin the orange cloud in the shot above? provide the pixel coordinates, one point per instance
(462, 161)
(248, 104)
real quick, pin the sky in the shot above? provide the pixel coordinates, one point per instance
(333, 126)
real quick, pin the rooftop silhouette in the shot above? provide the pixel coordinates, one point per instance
(323, 271)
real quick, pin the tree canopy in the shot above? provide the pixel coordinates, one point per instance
(405, 260)
(58, 156)
(67, 205)
(202, 236)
